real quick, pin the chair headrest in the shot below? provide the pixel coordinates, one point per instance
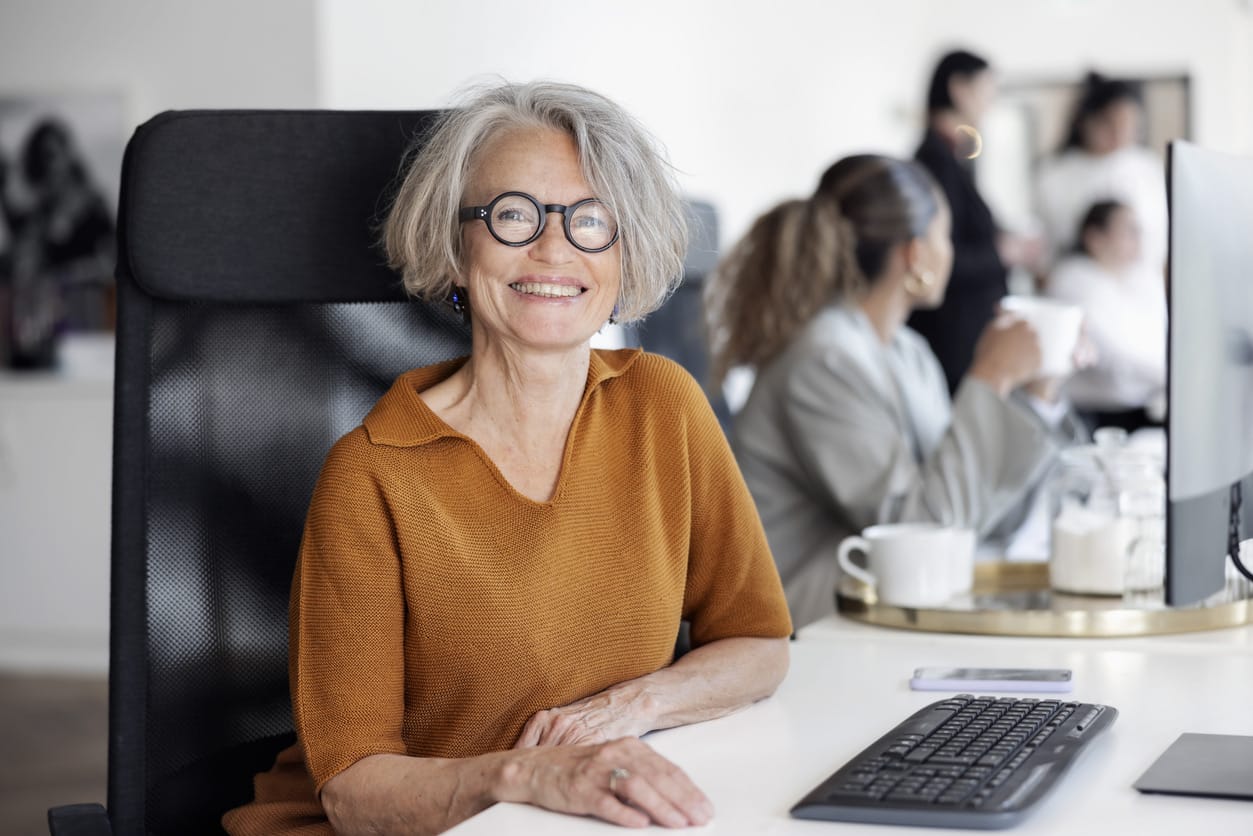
(263, 206)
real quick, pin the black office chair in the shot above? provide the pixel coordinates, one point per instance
(677, 330)
(257, 324)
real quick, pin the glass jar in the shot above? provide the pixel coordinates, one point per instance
(1107, 503)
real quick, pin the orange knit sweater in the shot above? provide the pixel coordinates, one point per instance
(435, 609)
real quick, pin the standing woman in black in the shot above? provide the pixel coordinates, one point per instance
(962, 88)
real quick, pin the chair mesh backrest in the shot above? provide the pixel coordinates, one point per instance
(256, 326)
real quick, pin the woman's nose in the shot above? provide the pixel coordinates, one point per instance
(551, 246)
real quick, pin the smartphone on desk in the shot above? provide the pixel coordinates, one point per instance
(1051, 680)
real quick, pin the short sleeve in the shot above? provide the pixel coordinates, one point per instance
(347, 619)
(733, 587)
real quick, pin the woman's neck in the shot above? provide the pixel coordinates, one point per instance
(1113, 266)
(887, 305)
(945, 123)
(528, 394)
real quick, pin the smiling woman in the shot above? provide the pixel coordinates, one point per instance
(616, 158)
(477, 615)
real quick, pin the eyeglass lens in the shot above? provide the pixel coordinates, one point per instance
(516, 219)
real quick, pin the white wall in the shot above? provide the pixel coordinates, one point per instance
(54, 439)
(160, 55)
(754, 99)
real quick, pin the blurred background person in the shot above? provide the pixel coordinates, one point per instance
(1124, 307)
(849, 422)
(962, 88)
(1102, 158)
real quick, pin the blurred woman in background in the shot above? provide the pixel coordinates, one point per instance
(1125, 314)
(850, 422)
(1102, 159)
(961, 91)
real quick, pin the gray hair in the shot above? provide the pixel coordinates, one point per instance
(618, 157)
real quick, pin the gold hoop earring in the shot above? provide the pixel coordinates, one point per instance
(919, 284)
(973, 138)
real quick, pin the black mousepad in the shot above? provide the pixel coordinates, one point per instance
(1214, 765)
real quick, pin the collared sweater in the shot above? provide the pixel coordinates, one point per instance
(435, 609)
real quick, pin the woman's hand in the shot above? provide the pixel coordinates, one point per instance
(621, 711)
(622, 781)
(1025, 251)
(1007, 354)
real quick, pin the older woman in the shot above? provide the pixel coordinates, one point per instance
(849, 422)
(497, 561)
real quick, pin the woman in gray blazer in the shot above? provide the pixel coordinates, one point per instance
(850, 422)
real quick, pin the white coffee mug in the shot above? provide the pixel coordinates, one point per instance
(908, 564)
(1056, 324)
(961, 557)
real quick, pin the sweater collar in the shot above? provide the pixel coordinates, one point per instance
(402, 419)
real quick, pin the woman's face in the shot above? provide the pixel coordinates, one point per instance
(1115, 127)
(546, 295)
(973, 95)
(1118, 244)
(936, 256)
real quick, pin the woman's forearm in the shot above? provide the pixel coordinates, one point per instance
(386, 794)
(710, 681)
(383, 794)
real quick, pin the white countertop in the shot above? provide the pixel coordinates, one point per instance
(848, 685)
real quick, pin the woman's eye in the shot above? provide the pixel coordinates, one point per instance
(511, 216)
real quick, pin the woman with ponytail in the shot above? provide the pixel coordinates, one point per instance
(850, 422)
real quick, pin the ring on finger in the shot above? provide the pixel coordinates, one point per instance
(615, 775)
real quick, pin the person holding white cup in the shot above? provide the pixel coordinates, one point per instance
(850, 423)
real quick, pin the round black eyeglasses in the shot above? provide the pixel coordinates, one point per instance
(516, 219)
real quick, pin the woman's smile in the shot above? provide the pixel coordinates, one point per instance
(548, 288)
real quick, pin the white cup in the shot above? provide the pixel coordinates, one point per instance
(911, 564)
(1056, 324)
(961, 560)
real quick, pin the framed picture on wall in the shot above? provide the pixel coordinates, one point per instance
(60, 167)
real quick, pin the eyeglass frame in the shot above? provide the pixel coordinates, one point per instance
(483, 213)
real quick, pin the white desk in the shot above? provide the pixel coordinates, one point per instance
(848, 684)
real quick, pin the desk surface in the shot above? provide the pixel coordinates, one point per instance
(848, 684)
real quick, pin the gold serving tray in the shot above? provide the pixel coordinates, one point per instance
(1014, 599)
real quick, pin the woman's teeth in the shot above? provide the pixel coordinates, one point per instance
(551, 290)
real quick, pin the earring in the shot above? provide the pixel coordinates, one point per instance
(919, 284)
(460, 301)
(613, 317)
(973, 141)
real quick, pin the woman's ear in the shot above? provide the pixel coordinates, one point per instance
(914, 255)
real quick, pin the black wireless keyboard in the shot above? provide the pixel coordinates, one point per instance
(970, 762)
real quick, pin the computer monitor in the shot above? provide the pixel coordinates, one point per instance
(1209, 459)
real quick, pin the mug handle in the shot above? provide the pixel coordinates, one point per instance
(847, 546)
